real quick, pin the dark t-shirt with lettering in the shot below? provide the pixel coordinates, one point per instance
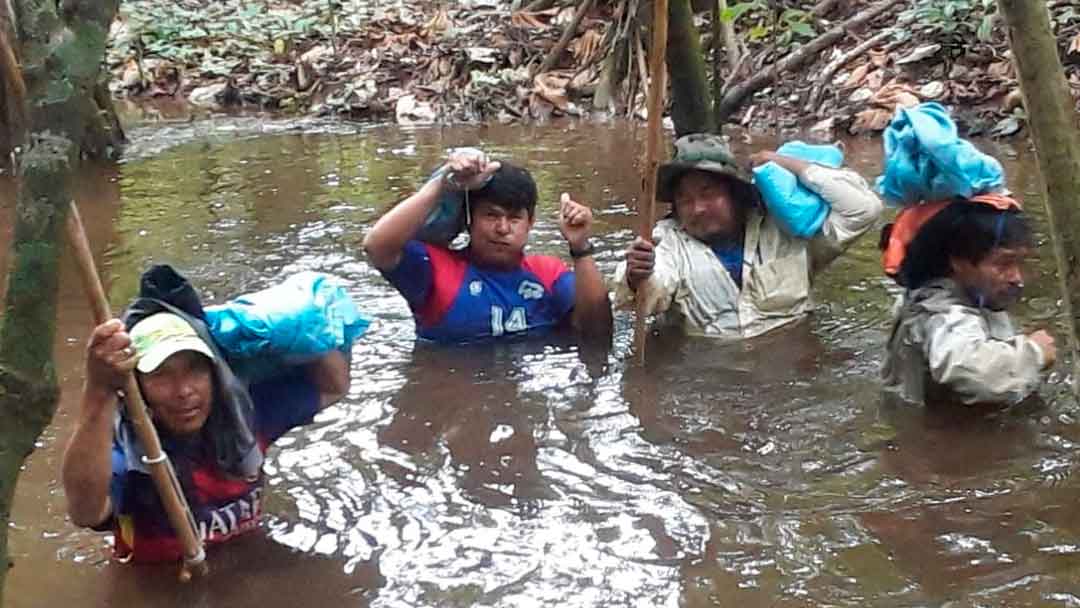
(224, 506)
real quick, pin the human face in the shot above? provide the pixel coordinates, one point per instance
(706, 207)
(179, 392)
(498, 235)
(996, 281)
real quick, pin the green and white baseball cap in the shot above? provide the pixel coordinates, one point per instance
(162, 335)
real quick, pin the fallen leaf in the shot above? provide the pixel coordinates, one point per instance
(527, 20)
(896, 95)
(923, 52)
(411, 111)
(875, 79)
(932, 90)
(587, 47)
(858, 75)
(551, 86)
(439, 23)
(1007, 127)
(874, 119)
(1000, 69)
(208, 96)
(1074, 46)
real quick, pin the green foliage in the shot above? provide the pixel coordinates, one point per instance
(788, 27)
(955, 22)
(219, 36)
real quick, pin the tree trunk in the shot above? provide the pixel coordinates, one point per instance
(1052, 119)
(691, 101)
(61, 55)
(81, 106)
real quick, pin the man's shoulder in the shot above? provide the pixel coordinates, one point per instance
(547, 268)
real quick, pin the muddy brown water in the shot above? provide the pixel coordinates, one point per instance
(532, 474)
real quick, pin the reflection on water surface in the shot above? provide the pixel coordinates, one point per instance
(758, 474)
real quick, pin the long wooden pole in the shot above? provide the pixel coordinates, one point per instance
(161, 469)
(655, 104)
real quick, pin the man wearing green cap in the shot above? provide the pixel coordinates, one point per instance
(720, 261)
(214, 428)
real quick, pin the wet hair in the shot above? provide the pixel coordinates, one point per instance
(963, 230)
(511, 187)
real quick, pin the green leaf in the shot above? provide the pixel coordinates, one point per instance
(986, 28)
(802, 29)
(731, 13)
(758, 32)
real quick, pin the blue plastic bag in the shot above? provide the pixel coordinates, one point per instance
(926, 160)
(799, 210)
(305, 316)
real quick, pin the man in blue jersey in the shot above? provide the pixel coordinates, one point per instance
(490, 289)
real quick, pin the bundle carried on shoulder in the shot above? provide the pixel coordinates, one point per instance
(798, 210)
(305, 316)
(926, 160)
(928, 166)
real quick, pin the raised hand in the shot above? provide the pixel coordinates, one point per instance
(575, 222)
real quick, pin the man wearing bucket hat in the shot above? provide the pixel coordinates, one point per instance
(214, 428)
(721, 261)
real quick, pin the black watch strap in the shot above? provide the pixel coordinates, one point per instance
(586, 252)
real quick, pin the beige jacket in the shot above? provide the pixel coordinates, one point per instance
(943, 348)
(689, 281)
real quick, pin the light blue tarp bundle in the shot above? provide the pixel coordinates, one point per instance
(926, 160)
(305, 316)
(799, 210)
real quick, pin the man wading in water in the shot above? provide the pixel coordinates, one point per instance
(491, 289)
(952, 338)
(197, 406)
(721, 262)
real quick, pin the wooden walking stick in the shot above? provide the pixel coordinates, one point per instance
(653, 135)
(161, 470)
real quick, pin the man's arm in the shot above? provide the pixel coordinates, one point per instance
(592, 308)
(330, 376)
(387, 238)
(980, 369)
(86, 469)
(853, 206)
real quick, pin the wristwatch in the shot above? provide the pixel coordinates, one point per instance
(586, 252)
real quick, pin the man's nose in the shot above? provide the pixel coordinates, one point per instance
(1015, 275)
(502, 225)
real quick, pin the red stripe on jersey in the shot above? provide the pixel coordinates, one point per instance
(447, 274)
(546, 268)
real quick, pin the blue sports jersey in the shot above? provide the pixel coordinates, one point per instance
(454, 301)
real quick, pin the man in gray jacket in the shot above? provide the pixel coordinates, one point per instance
(721, 262)
(952, 339)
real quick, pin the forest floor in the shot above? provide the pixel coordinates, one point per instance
(480, 60)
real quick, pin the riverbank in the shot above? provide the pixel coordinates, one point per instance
(479, 61)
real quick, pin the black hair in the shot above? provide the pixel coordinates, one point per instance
(745, 195)
(511, 187)
(963, 230)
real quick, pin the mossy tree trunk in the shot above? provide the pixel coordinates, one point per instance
(79, 105)
(691, 100)
(1052, 118)
(61, 46)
